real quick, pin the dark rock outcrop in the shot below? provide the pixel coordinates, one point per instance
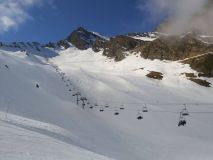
(99, 44)
(117, 46)
(155, 75)
(202, 64)
(63, 43)
(83, 39)
(174, 48)
(200, 82)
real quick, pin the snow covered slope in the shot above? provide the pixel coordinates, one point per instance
(124, 84)
(39, 115)
(24, 139)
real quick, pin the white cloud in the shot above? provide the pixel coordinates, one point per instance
(182, 14)
(15, 12)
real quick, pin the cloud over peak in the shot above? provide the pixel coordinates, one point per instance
(182, 15)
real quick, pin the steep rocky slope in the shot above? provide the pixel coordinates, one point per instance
(202, 63)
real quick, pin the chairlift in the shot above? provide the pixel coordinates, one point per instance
(6, 66)
(37, 86)
(140, 116)
(122, 107)
(101, 109)
(185, 111)
(116, 112)
(76, 94)
(145, 109)
(182, 121)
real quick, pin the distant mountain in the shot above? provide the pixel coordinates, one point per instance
(150, 45)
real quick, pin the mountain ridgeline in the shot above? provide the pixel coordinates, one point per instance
(191, 48)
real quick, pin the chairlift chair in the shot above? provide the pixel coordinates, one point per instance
(101, 110)
(140, 116)
(145, 109)
(37, 85)
(185, 111)
(116, 112)
(182, 121)
(122, 108)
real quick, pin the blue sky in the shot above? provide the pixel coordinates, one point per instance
(52, 20)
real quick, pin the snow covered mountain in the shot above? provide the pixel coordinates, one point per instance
(132, 109)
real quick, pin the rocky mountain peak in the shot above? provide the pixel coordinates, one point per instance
(83, 39)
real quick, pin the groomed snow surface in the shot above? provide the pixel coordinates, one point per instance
(45, 123)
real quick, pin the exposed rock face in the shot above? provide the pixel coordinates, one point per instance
(83, 39)
(202, 64)
(155, 75)
(189, 75)
(200, 82)
(174, 48)
(99, 44)
(64, 44)
(117, 46)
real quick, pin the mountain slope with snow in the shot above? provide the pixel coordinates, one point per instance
(39, 110)
(124, 84)
(51, 103)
